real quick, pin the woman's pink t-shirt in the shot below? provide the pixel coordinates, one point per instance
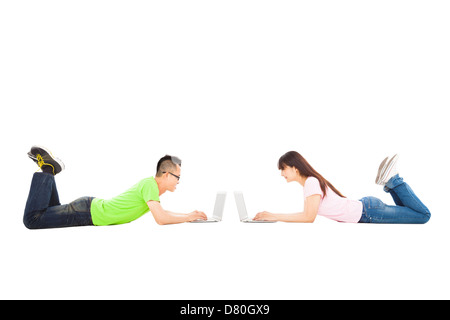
(333, 206)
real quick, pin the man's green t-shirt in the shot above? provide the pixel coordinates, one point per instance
(126, 207)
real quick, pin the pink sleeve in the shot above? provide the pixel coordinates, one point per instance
(312, 187)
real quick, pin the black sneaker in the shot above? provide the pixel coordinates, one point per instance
(45, 160)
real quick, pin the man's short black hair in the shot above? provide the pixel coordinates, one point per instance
(166, 164)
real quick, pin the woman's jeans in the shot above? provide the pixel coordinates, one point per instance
(408, 209)
(43, 209)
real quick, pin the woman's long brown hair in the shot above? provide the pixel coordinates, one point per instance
(295, 159)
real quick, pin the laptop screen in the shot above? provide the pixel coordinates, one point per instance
(239, 197)
(219, 205)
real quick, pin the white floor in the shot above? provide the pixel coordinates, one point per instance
(228, 261)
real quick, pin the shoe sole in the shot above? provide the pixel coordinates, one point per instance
(380, 169)
(48, 158)
(388, 169)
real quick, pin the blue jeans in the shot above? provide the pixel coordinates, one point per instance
(408, 209)
(43, 209)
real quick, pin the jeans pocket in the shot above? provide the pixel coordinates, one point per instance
(374, 203)
(374, 210)
(82, 204)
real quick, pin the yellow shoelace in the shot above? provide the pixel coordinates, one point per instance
(41, 162)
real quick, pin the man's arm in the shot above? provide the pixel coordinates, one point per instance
(166, 217)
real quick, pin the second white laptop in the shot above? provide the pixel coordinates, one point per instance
(242, 210)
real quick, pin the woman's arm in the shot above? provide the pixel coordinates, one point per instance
(308, 215)
(166, 217)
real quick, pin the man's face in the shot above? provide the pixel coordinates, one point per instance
(172, 181)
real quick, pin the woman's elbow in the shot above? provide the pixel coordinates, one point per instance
(310, 218)
(305, 219)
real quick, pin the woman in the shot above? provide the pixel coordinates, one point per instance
(322, 198)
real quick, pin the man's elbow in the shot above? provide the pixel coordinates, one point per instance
(161, 221)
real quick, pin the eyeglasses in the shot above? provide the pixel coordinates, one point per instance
(178, 177)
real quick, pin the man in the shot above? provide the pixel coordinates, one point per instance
(43, 209)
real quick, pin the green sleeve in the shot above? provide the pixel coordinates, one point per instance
(149, 190)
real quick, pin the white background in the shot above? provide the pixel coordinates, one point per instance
(228, 86)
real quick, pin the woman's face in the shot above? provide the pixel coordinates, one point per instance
(289, 173)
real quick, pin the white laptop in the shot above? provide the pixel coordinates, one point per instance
(242, 210)
(218, 209)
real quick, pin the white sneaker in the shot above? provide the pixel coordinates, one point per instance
(380, 169)
(387, 170)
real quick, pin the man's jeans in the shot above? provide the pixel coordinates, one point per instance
(408, 209)
(43, 209)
